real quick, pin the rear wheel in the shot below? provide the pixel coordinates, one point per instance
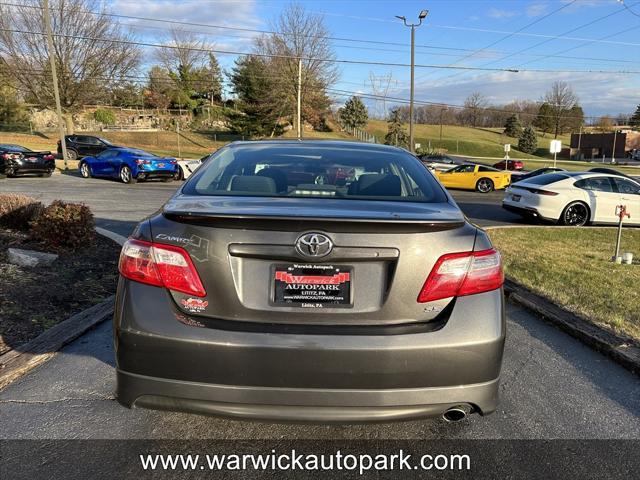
(46, 174)
(85, 170)
(179, 175)
(72, 154)
(484, 185)
(576, 214)
(126, 176)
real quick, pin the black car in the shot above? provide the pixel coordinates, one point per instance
(17, 160)
(79, 146)
(534, 173)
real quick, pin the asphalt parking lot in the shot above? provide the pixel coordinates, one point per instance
(118, 207)
(552, 385)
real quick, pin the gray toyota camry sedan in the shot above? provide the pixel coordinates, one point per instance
(311, 281)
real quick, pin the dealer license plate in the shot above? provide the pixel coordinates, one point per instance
(312, 286)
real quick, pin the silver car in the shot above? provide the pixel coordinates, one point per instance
(310, 281)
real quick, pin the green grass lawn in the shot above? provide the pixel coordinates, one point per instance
(571, 267)
(480, 142)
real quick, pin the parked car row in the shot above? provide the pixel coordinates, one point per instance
(98, 158)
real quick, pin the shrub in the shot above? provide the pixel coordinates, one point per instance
(106, 117)
(63, 226)
(18, 211)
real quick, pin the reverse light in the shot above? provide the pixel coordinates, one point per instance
(160, 265)
(461, 274)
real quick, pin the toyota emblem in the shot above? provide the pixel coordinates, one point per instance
(314, 245)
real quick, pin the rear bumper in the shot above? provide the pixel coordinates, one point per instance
(166, 361)
(307, 405)
(528, 212)
(156, 173)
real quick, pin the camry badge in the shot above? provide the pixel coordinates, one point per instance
(314, 245)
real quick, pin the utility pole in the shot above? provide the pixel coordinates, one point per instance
(613, 152)
(421, 16)
(579, 141)
(54, 76)
(299, 99)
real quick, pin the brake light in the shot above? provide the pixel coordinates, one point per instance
(173, 162)
(538, 191)
(142, 161)
(460, 274)
(160, 265)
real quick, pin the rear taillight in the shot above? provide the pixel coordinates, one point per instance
(173, 162)
(538, 191)
(142, 161)
(160, 265)
(6, 156)
(460, 274)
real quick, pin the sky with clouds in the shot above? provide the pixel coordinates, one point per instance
(564, 38)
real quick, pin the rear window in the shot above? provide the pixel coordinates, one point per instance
(547, 178)
(318, 171)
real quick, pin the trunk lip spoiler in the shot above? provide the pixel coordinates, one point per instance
(189, 216)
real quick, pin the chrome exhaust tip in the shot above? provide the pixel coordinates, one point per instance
(455, 414)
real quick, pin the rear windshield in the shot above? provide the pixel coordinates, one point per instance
(547, 178)
(294, 170)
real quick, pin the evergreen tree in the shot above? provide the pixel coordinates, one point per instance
(513, 128)
(396, 134)
(635, 118)
(354, 113)
(528, 142)
(256, 117)
(544, 120)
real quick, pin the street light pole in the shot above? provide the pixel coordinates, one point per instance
(421, 16)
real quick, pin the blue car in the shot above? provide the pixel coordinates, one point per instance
(129, 165)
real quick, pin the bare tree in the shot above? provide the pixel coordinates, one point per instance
(561, 100)
(192, 69)
(302, 35)
(474, 106)
(183, 51)
(89, 52)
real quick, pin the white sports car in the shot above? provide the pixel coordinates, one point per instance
(575, 198)
(186, 168)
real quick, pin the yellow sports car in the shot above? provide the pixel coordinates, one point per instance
(474, 177)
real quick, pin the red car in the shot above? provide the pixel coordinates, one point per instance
(511, 165)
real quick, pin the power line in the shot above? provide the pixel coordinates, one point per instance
(337, 91)
(484, 65)
(264, 55)
(629, 9)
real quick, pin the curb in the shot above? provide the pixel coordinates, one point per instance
(620, 348)
(15, 363)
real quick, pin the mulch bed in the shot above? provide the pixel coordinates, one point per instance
(35, 299)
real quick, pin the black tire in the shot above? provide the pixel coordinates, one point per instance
(46, 174)
(72, 154)
(126, 176)
(179, 175)
(85, 170)
(576, 214)
(484, 185)
(167, 179)
(11, 173)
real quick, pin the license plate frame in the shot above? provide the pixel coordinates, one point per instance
(313, 286)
